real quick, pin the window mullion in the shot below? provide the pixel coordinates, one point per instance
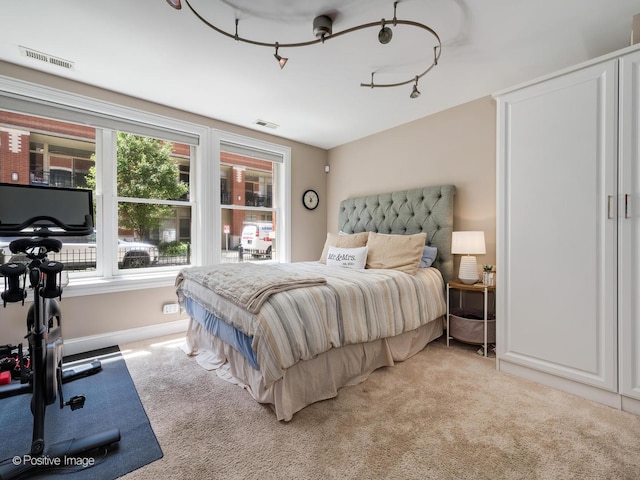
(108, 236)
(209, 200)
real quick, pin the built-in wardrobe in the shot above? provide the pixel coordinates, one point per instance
(568, 230)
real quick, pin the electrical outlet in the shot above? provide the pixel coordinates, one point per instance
(169, 308)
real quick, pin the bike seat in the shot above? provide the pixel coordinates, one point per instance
(25, 244)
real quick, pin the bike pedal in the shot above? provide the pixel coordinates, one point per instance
(76, 402)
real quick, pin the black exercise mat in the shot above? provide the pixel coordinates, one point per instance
(112, 402)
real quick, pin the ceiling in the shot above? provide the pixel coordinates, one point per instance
(149, 50)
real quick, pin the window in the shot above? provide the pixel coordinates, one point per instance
(153, 215)
(152, 179)
(253, 192)
(45, 152)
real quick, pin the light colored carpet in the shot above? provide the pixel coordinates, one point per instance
(444, 414)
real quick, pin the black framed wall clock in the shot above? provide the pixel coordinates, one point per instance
(310, 199)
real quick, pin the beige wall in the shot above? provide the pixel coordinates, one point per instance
(90, 315)
(456, 146)
(98, 314)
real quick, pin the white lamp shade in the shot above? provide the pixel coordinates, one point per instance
(468, 244)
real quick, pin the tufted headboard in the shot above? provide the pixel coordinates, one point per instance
(427, 209)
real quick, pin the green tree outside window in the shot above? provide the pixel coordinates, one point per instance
(145, 170)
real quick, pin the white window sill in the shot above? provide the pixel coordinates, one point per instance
(95, 286)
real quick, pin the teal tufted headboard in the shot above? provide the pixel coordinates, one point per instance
(427, 209)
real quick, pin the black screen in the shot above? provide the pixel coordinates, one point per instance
(21, 203)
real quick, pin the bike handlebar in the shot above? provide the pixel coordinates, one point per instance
(41, 226)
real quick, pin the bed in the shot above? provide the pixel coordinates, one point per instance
(293, 334)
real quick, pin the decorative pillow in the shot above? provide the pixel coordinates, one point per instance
(343, 241)
(397, 252)
(429, 255)
(347, 257)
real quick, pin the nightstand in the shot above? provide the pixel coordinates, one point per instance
(463, 287)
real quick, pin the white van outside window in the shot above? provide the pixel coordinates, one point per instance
(257, 239)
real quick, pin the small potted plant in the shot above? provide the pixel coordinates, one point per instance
(488, 275)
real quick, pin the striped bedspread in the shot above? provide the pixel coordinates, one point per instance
(354, 306)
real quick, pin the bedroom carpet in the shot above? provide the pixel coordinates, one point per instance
(111, 402)
(444, 414)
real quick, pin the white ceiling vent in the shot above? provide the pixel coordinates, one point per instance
(44, 57)
(264, 123)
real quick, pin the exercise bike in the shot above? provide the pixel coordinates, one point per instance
(15, 274)
(44, 323)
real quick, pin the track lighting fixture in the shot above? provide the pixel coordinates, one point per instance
(385, 34)
(281, 60)
(322, 29)
(415, 93)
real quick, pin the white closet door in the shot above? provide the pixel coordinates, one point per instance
(629, 218)
(557, 182)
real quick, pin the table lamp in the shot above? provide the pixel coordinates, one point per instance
(468, 244)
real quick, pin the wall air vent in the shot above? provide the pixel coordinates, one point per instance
(266, 124)
(44, 57)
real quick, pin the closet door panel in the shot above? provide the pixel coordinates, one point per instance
(557, 187)
(629, 218)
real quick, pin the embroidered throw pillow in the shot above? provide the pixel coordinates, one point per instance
(347, 257)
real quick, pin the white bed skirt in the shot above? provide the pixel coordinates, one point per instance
(311, 380)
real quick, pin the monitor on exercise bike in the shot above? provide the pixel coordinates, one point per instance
(27, 210)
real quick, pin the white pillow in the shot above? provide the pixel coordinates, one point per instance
(347, 257)
(343, 241)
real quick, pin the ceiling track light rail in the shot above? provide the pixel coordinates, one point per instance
(322, 28)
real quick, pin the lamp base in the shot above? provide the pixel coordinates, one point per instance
(468, 272)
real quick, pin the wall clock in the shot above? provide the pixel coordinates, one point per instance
(310, 199)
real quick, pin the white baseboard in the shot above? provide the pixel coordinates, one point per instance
(566, 385)
(631, 405)
(612, 399)
(94, 342)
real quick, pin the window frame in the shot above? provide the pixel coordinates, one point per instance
(205, 202)
(204, 169)
(113, 197)
(281, 195)
(65, 106)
